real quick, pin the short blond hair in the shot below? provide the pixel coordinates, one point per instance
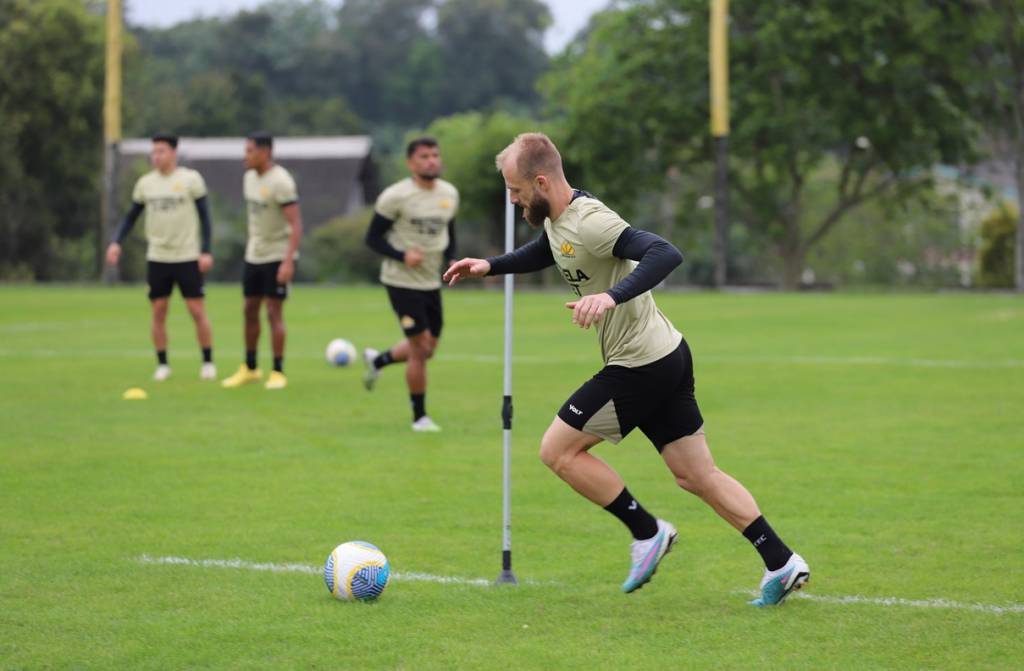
(535, 154)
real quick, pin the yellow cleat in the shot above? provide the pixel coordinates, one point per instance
(243, 376)
(277, 380)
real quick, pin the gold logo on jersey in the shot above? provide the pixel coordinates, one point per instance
(568, 251)
(178, 186)
(264, 192)
(407, 322)
(444, 204)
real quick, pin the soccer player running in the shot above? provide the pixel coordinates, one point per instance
(275, 229)
(177, 216)
(413, 228)
(647, 380)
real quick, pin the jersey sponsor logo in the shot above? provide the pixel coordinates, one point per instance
(257, 207)
(575, 410)
(428, 225)
(568, 251)
(574, 278)
(165, 204)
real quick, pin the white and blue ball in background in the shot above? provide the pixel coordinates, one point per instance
(356, 571)
(340, 352)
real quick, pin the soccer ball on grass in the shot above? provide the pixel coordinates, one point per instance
(356, 571)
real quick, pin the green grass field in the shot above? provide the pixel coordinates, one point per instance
(881, 434)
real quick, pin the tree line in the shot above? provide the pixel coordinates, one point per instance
(841, 113)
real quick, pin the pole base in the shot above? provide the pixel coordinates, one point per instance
(506, 578)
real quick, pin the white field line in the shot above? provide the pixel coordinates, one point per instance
(481, 582)
(899, 601)
(411, 576)
(530, 359)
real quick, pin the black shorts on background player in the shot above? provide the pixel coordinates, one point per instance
(162, 277)
(260, 279)
(658, 398)
(417, 310)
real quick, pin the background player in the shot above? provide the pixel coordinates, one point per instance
(647, 381)
(275, 229)
(174, 200)
(413, 228)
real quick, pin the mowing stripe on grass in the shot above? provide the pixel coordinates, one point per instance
(304, 568)
(808, 360)
(899, 601)
(481, 582)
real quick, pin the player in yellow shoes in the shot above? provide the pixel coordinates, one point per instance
(275, 228)
(242, 377)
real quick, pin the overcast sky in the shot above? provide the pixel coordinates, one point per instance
(570, 15)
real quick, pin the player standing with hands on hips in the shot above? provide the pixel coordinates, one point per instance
(275, 229)
(413, 228)
(178, 246)
(647, 380)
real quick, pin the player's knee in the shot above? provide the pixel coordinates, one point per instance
(554, 454)
(696, 482)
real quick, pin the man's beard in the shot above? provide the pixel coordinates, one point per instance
(428, 176)
(539, 209)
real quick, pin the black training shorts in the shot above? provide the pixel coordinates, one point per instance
(260, 279)
(657, 397)
(163, 276)
(417, 310)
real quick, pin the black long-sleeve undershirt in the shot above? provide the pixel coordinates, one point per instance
(128, 222)
(656, 256)
(376, 238)
(205, 225)
(531, 257)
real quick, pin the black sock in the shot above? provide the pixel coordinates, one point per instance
(279, 364)
(773, 551)
(383, 359)
(161, 357)
(250, 359)
(419, 405)
(640, 522)
(207, 355)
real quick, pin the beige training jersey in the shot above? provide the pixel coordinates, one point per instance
(269, 231)
(421, 219)
(582, 239)
(172, 222)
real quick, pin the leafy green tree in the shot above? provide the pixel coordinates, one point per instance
(884, 88)
(490, 50)
(999, 53)
(51, 86)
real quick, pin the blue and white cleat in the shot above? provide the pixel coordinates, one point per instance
(776, 585)
(647, 554)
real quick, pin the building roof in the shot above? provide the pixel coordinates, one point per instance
(227, 148)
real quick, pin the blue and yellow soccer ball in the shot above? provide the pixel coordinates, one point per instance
(340, 352)
(356, 571)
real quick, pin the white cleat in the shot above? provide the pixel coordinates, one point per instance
(372, 372)
(162, 372)
(778, 584)
(208, 371)
(646, 555)
(425, 425)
